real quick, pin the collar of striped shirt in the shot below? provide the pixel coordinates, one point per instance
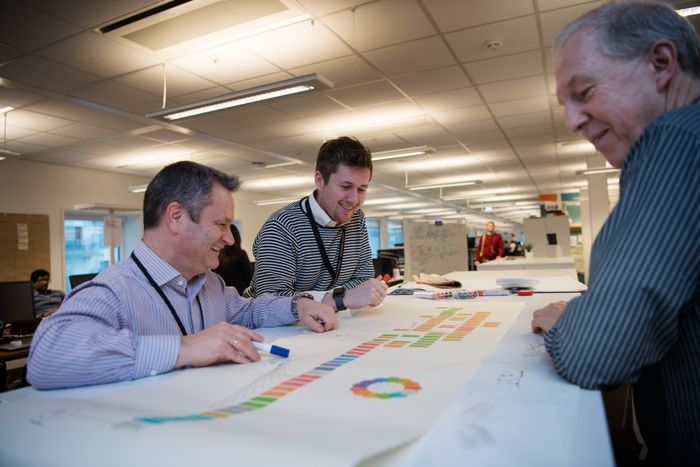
(321, 216)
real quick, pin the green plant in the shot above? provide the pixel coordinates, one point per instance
(528, 247)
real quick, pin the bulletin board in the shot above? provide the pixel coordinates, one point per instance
(434, 249)
(24, 245)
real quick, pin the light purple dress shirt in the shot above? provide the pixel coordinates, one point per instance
(117, 327)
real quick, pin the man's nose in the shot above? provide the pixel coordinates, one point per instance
(575, 117)
(228, 237)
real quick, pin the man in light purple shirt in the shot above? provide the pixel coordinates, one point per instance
(163, 308)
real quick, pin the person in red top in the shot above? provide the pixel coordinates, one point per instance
(490, 245)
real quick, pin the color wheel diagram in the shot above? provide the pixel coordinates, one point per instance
(450, 325)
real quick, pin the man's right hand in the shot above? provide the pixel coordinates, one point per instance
(371, 292)
(221, 343)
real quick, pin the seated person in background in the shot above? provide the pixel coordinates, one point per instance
(46, 301)
(162, 308)
(320, 244)
(490, 246)
(234, 266)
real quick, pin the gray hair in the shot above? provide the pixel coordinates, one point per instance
(626, 29)
(187, 183)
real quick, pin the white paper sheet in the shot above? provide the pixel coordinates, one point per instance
(196, 417)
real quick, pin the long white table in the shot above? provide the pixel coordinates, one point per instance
(512, 263)
(512, 408)
(534, 418)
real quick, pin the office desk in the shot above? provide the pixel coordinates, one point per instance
(509, 407)
(519, 262)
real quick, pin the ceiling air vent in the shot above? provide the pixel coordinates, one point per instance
(180, 23)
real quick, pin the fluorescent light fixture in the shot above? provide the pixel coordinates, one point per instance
(281, 164)
(246, 96)
(6, 109)
(443, 185)
(600, 170)
(384, 201)
(693, 10)
(398, 153)
(138, 188)
(269, 202)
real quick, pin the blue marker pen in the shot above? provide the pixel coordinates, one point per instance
(273, 349)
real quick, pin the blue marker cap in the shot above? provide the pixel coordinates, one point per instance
(281, 351)
(272, 349)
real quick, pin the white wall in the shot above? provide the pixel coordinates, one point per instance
(39, 188)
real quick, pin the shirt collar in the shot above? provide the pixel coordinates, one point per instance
(161, 271)
(320, 216)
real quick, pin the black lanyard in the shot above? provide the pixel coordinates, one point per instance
(165, 299)
(334, 273)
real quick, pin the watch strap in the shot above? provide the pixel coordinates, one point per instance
(338, 295)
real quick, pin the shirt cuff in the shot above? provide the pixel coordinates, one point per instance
(318, 294)
(155, 355)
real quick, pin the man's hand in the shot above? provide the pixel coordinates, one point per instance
(316, 316)
(545, 318)
(371, 292)
(221, 343)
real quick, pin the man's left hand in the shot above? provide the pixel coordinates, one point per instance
(316, 316)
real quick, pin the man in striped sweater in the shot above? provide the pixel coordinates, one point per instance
(628, 75)
(319, 244)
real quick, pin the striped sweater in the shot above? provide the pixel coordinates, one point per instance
(640, 321)
(288, 260)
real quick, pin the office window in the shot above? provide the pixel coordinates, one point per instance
(84, 242)
(85, 248)
(374, 235)
(395, 233)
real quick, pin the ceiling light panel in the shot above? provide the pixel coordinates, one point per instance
(171, 27)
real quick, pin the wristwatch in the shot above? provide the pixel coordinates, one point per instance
(338, 295)
(295, 301)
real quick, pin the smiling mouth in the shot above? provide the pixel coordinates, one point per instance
(595, 140)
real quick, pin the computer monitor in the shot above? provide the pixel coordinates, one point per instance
(77, 279)
(16, 302)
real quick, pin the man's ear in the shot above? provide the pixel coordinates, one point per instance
(664, 58)
(174, 216)
(318, 178)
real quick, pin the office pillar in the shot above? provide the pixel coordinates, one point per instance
(595, 207)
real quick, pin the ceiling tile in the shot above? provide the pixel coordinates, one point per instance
(451, 15)
(411, 57)
(307, 105)
(373, 25)
(553, 21)
(37, 71)
(517, 35)
(225, 64)
(506, 67)
(297, 45)
(428, 82)
(177, 81)
(366, 94)
(119, 96)
(342, 72)
(95, 53)
(26, 28)
(520, 106)
(446, 100)
(513, 89)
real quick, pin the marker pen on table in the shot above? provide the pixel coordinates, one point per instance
(272, 349)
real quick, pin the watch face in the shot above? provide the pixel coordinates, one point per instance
(338, 291)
